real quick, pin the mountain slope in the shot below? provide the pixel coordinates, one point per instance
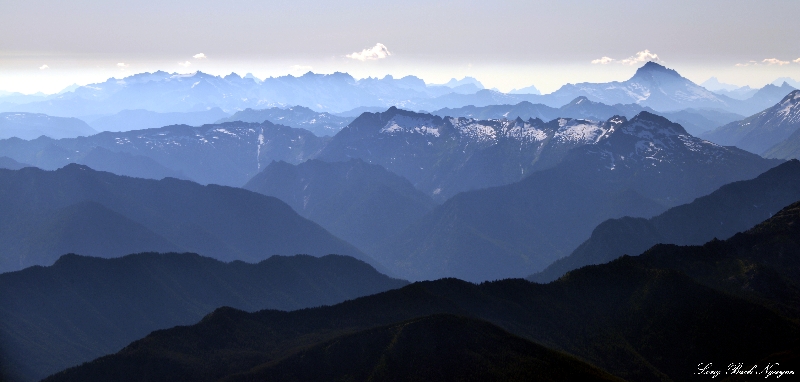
(227, 154)
(788, 149)
(637, 168)
(645, 318)
(760, 132)
(361, 203)
(31, 126)
(140, 119)
(732, 208)
(8, 163)
(221, 222)
(104, 304)
(298, 117)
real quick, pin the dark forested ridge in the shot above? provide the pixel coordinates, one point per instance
(45, 214)
(104, 304)
(732, 208)
(361, 203)
(654, 317)
(438, 347)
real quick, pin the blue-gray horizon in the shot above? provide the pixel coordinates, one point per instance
(505, 45)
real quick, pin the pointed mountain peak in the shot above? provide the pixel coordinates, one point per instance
(74, 167)
(580, 100)
(646, 124)
(651, 68)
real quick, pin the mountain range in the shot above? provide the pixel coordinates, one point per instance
(732, 208)
(362, 203)
(31, 126)
(695, 121)
(636, 168)
(104, 304)
(227, 154)
(653, 85)
(660, 316)
(300, 117)
(172, 92)
(75, 209)
(445, 156)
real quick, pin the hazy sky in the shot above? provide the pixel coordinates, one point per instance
(47, 45)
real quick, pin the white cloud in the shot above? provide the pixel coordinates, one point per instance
(603, 60)
(377, 52)
(123, 65)
(43, 67)
(639, 57)
(749, 63)
(766, 61)
(185, 64)
(774, 61)
(797, 61)
(199, 56)
(300, 68)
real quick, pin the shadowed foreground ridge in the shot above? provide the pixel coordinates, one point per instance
(654, 317)
(104, 304)
(438, 347)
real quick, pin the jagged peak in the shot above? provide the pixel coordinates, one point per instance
(651, 68)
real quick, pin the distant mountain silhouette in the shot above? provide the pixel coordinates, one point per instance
(8, 163)
(127, 120)
(81, 307)
(637, 168)
(769, 95)
(227, 154)
(78, 210)
(172, 92)
(31, 126)
(732, 208)
(760, 132)
(645, 318)
(298, 117)
(361, 203)
(654, 86)
(122, 163)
